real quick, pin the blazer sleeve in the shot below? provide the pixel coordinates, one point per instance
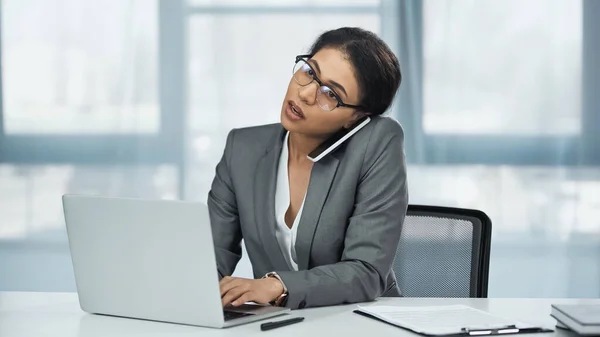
(224, 218)
(372, 234)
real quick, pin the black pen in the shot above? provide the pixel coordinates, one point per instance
(278, 324)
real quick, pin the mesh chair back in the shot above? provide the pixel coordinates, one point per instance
(443, 252)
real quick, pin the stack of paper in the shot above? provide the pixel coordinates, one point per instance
(581, 318)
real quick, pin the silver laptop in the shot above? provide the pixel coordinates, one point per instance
(149, 259)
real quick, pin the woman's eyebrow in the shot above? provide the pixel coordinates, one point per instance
(333, 83)
(339, 86)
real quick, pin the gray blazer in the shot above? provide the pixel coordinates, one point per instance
(350, 225)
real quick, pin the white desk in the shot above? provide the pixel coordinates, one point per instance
(58, 314)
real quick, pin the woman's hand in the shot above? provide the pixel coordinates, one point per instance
(238, 291)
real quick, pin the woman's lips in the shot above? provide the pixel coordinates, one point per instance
(294, 111)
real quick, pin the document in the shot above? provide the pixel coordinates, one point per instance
(442, 320)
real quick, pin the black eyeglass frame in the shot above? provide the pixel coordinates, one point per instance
(340, 103)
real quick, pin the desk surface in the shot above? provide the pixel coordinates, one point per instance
(58, 314)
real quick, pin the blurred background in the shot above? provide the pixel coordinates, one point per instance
(500, 103)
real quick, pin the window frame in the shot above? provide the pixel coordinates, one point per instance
(165, 146)
(168, 145)
(463, 149)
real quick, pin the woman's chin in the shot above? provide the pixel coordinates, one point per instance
(287, 124)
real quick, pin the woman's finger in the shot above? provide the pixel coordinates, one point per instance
(229, 284)
(233, 294)
(246, 297)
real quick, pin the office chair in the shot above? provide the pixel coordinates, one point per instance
(443, 252)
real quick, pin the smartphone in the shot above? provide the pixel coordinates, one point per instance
(337, 139)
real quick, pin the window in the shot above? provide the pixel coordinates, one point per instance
(501, 114)
(69, 69)
(135, 98)
(80, 83)
(81, 109)
(470, 73)
(477, 101)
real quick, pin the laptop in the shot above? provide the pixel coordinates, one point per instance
(149, 259)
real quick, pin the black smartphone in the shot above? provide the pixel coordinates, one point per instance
(337, 139)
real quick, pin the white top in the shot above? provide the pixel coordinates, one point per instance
(286, 237)
(59, 315)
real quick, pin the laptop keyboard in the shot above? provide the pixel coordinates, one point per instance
(229, 315)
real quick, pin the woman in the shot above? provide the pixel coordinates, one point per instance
(317, 233)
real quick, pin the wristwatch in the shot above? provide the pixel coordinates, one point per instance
(280, 300)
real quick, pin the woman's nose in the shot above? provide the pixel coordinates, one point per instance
(308, 93)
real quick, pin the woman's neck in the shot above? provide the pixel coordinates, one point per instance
(300, 146)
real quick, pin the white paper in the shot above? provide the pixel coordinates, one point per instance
(439, 320)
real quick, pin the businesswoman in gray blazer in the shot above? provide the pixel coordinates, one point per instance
(325, 232)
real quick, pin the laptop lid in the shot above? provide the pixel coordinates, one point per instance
(148, 259)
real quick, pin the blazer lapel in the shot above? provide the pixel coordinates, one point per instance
(321, 178)
(264, 201)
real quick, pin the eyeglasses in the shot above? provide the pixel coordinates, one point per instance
(327, 99)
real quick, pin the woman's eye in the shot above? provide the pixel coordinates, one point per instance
(327, 91)
(307, 70)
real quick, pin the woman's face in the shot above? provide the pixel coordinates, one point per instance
(301, 112)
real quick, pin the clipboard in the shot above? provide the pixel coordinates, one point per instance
(510, 329)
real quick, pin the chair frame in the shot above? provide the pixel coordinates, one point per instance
(482, 276)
